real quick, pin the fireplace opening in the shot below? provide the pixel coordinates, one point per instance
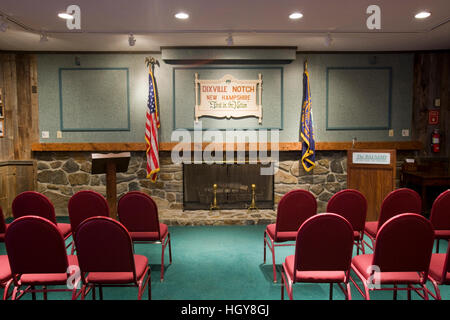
(233, 186)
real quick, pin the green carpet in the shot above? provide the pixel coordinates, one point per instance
(223, 263)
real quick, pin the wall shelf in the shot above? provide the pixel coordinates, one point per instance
(168, 146)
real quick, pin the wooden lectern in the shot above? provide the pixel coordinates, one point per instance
(110, 164)
(372, 172)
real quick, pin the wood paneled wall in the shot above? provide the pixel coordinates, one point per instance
(18, 80)
(431, 81)
(18, 77)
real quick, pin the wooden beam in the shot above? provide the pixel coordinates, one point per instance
(168, 146)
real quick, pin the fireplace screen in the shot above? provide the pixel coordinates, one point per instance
(233, 186)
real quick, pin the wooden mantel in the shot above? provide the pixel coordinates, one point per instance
(168, 146)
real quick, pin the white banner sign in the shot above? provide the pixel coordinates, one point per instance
(371, 157)
(228, 97)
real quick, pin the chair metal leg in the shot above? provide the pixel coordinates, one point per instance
(349, 293)
(437, 245)
(425, 292)
(33, 293)
(331, 291)
(14, 294)
(149, 284)
(100, 291)
(93, 292)
(264, 247)
(395, 292)
(162, 261)
(5, 291)
(274, 265)
(44, 292)
(170, 248)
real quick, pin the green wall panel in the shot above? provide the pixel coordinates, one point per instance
(282, 96)
(87, 93)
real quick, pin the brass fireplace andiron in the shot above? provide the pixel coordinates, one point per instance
(253, 204)
(214, 205)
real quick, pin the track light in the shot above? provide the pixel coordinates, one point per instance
(328, 40)
(44, 37)
(3, 24)
(131, 40)
(229, 40)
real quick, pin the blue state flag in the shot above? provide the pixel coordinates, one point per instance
(306, 126)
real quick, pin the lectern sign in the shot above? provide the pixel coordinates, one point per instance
(371, 158)
(228, 97)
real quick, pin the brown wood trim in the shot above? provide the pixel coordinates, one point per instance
(168, 146)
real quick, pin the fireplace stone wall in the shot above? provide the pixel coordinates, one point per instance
(62, 174)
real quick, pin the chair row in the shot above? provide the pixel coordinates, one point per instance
(37, 257)
(136, 211)
(402, 256)
(298, 205)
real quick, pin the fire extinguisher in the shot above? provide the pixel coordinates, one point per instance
(435, 140)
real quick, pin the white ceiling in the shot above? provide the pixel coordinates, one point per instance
(105, 24)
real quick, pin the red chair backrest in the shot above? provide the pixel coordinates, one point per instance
(399, 201)
(138, 212)
(350, 204)
(104, 245)
(2, 222)
(86, 204)
(294, 208)
(35, 245)
(324, 242)
(404, 243)
(32, 203)
(440, 212)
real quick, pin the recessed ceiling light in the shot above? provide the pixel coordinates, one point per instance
(66, 16)
(182, 15)
(422, 15)
(295, 15)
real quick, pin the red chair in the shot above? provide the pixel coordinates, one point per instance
(294, 208)
(3, 226)
(440, 217)
(106, 259)
(5, 276)
(83, 205)
(439, 273)
(401, 256)
(352, 205)
(5, 271)
(36, 204)
(320, 256)
(396, 202)
(139, 214)
(37, 256)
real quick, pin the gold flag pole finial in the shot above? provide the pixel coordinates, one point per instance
(306, 65)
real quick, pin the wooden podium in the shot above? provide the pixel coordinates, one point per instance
(372, 172)
(110, 164)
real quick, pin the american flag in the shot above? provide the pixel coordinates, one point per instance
(151, 130)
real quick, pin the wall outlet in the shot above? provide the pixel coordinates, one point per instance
(405, 133)
(45, 134)
(58, 134)
(391, 132)
(437, 102)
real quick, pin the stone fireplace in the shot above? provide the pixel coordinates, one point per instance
(233, 186)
